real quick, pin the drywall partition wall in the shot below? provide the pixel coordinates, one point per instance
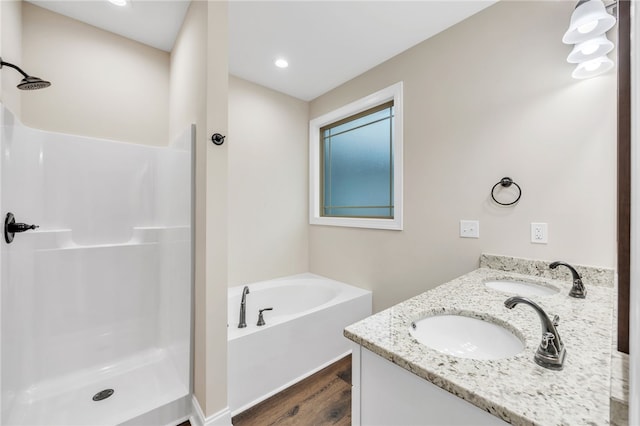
(217, 205)
(10, 51)
(198, 94)
(490, 97)
(103, 85)
(268, 228)
(188, 104)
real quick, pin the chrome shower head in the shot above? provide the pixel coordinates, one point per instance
(33, 83)
(28, 82)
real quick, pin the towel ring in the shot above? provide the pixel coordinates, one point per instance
(506, 182)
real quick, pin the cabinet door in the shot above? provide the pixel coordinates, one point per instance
(391, 395)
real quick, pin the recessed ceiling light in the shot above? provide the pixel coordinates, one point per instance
(118, 2)
(281, 63)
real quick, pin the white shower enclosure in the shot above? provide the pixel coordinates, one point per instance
(95, 302)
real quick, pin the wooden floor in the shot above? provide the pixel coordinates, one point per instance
(321, 399)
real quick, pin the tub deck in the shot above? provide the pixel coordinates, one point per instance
(263, 361)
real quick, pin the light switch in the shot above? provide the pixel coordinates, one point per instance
(470, 229)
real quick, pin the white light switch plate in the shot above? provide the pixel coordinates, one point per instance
(539, 233)
(470, 229)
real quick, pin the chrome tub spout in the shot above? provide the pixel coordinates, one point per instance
(242, 323)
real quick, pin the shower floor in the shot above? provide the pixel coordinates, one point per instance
(142, 382)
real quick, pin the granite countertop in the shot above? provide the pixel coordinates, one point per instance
(515, 389)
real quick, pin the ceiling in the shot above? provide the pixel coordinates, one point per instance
(325, 42)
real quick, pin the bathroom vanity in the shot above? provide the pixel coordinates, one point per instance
(398, 380)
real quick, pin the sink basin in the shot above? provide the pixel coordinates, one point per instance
(466, 337)
(521, 288)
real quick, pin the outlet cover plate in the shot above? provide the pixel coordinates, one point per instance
(469, 229)
(539, 233)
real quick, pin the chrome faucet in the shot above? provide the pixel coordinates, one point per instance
(578, 289)
(261, 316)
(551, 352)
(243, 308)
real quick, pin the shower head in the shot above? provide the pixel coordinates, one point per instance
(33, 83)
(28, 82)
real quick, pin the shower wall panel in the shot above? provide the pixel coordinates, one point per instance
(107, 276)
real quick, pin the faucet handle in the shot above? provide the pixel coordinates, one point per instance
(548, 344)
(546, 339)
(556, 320)
(261, 317)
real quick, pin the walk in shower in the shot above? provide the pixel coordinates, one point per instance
(96, 301)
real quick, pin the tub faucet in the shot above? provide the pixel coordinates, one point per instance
(578, 290)
(243, 308)
(261, 316)
(551, 352)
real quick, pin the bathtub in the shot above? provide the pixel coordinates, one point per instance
(302, 335)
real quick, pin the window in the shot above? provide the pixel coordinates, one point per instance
(356, 163)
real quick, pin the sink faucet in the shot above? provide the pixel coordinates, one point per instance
(243, 308)
(578, 289)
(551, 352)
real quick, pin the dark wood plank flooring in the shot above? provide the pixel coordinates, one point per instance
(321, 399)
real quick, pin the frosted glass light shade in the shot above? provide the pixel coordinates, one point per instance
(592, 68)
(589, 19)
(590, 49)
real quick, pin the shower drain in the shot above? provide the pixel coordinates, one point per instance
(103, 394)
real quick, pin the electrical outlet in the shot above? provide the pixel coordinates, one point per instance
(539, 234)
(470, 229)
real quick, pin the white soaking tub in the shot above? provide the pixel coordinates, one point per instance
(302, 335)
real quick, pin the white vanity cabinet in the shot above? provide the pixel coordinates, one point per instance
(385, 394)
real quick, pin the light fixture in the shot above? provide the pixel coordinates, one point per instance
(592, 68)
(589, 19)
(590, 49)
(119, 2)
(281, 63)
(589, 23)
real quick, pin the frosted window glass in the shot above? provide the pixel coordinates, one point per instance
(358, 166)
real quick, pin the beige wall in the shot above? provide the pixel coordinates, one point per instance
(268, 220)
(490, 97)
(10, 51)
(198, 94)
(217, 205)
(103, 85)
(188, 105)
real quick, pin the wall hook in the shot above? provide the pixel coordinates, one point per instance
(217, 139)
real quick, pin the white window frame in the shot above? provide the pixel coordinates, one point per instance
(391, 93)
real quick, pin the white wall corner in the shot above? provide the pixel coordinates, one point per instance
(221, 418)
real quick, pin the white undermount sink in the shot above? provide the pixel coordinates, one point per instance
(466, 337)
(521, 288)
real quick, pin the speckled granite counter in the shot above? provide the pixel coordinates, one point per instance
(515, 389)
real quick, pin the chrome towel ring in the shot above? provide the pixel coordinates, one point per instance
(506, 182)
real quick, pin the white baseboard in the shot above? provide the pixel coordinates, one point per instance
(221, 418)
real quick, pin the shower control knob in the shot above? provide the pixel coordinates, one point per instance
(21, 227)
(11, 227)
